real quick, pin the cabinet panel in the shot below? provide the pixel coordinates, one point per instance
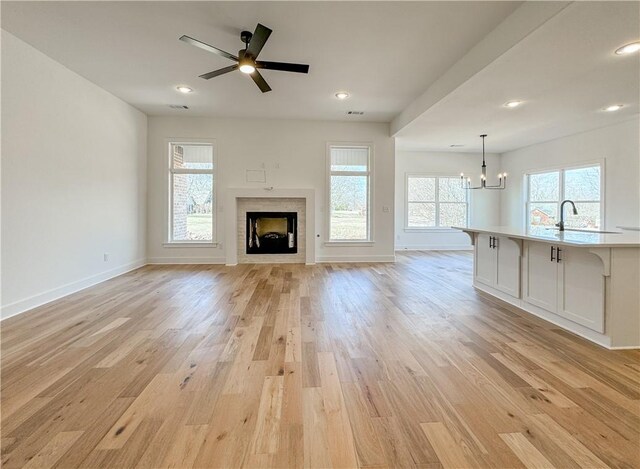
(485, 261)
(581, 288)
(541, 286)
(508, 266)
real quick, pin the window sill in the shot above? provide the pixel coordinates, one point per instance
(349, 243)
(431, 230)
(211, 244)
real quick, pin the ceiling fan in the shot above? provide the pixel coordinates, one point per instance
(246, 59)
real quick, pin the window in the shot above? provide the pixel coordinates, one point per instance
(435, 202)
(192, 194)
(349, 193)
(548, 189)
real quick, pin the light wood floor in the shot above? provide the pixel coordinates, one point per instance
(370, 365)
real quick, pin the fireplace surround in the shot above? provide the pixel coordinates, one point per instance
(239, 201)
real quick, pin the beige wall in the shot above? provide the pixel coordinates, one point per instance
(617, 145)
(73, 180)
(293, 154)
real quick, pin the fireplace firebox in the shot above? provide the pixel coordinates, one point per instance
(272, 233)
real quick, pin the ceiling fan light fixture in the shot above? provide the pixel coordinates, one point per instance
(247, 68)
(184, 89)
(628, 48)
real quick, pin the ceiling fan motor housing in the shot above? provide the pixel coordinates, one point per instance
(246, 36)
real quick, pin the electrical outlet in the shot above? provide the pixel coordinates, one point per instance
(106, 257)
(385, 209)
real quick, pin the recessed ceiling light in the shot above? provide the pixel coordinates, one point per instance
(614, 107)
(184, 89)
(512, 104)
(342, 95)
(628, 49)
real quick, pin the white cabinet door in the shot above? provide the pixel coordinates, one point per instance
(508, 266)
(541, 281)
(581, 288)
(485, 261)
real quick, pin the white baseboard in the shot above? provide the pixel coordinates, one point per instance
(186, 260)
(524, 307)
(40, 299)
(434, 247)
(367, 258)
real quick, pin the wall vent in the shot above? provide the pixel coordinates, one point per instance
(456, 145)
(178, 106)
(355, 113)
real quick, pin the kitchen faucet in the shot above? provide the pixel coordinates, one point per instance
(560, 225)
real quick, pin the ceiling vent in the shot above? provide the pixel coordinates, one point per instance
(178, 106)
(355, 113)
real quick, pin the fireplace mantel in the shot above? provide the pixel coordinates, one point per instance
(231, 217)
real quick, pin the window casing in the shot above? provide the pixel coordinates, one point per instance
(435, 202)
(349, 189)
(192, 193)
(545, 191)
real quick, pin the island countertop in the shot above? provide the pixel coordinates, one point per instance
(622, 239)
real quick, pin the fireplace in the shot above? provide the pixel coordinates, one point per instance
(272, 233)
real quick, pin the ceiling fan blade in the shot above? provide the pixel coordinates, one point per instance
(260, 36)
(219, 72)
(259, 80)
(207, 47)
(283, 66)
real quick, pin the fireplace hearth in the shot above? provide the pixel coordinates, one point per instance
(272, 233)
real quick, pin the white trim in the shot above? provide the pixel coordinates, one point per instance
(168, 197)
(193, 244)
(370, 189)
(527, 308)
(349, 243)
(351, 259)
(186, 260)
(561, 169)
(434, 247)
(438, 229)
(48, 296)
(436, 202)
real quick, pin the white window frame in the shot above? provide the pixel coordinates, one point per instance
(370, 186)
(169, 143)
(562, 169)
(436, 228)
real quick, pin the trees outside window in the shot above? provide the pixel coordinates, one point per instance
(547, 190)
(192, 194)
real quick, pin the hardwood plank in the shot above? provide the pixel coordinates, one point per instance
(526, 452)
(333, 365)
(53, 450)
(449, 453)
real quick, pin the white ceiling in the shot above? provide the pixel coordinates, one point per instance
(384, 53)
(566, 72)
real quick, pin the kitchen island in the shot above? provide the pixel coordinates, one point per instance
(585, 282)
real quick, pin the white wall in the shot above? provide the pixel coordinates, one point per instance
(484, 205)
(294, 156)
(617, 144)
(73, 180)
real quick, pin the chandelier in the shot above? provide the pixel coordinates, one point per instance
(502, 177)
